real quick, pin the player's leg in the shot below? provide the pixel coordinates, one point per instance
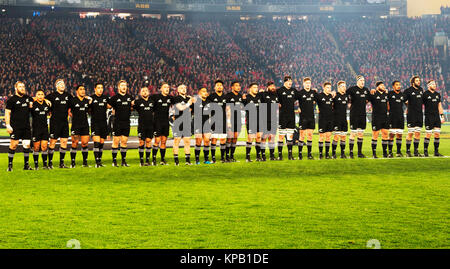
(321, 139)
(162, 149)
(409, 138)
(281, 136)
(85, 149)
(301, 142)
(73, 149)
(213, 148)
(233, 146)
(391, 142)
(36, 150)
(398, 142)
(223, 147)
(335, 142)
(309, 138)
(148, 148)
(384, 141)
(248, 147)
(44, 155)
(206, 145)
(437, 134)
(417, 141)
(198, 146)
(124, 145)
(343, 138)
(115, 150)
(351, 142)
(155, 148)
(258, 146)
(360, 142)
(290, 141)
(96, 149)
(176, 146)
(51, 151)
(63, 149)
(187, 149)
(327, 145)
(12, 150)
(375, 134)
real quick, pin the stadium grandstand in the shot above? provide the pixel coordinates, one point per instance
(43, 41)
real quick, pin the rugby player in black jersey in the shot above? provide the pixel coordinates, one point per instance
(59, 122)
(252, 101)
(434, 117)
(17, 119)
(99, 124)
(183, 131)
(121, 103)
(324, 102)
(218, 129)
(340, 104)
(144, 106)
(306, 100)
(202, 128)
(79, 106)
(413, 99)
(270, 102)
(358, 99)
(286, 97)
(233, 117)
(39, 112)
(380, 122)
(161, 104)
(396, 118)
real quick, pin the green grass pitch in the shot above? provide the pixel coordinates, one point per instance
(403, 203)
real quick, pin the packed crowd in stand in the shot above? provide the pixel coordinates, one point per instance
(299, 48)
(148, 51)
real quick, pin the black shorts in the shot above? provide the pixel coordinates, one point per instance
(286, 123)
(59, 130)
(307, 123)
(79, 130)
(340, 125)
(396, 122)
(144, 133)
(414, 120)
(432, 122)
(358, 122)
(21, 133)
(379, 123)
(161, 128)
(121, 128)
(99, 129)
(40, 134)
(325, 125)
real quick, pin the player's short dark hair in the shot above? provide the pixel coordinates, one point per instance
(378, 83)
(80, 86)
(98, 83)
(164, 83)
(270, 83)
(40, 90)
(413, 78)
(326, 83)
(306, 79)
(121, 81)
(253, 83)
(218, 81)
(234, 82)
(202, 88)
(340, 82)
(286, 78)
(395, 81)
